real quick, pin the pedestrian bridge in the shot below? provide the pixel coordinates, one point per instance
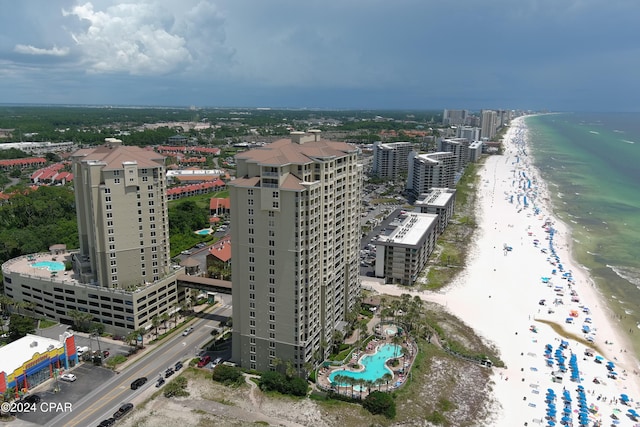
(204, 284)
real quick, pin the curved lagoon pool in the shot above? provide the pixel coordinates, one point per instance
(374, 365)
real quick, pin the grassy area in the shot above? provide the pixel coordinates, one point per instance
(46, 323)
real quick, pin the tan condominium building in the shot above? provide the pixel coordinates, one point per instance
(295, 209)
(121, 273)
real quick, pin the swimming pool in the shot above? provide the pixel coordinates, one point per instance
(204, 232)
(374, 365)
(49, 265)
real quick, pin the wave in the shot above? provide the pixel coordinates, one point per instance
(627, 141)
(630, 274)
(594, 132)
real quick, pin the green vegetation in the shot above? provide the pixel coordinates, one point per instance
(46, 323)
(378, 402)
(34, 220)
(228, 375)
(276, 381)
(176, 388)
(19, 326)
(114, 361)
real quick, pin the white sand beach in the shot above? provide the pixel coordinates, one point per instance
(500, 294)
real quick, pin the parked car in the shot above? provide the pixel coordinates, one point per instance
(32, 398)
(203, 361)
(201, 245)
(68, 377)
(107, 423)
(138, 383)
(169, 372)
(178, 366)
(187, 331)
(160, 382)
(123, 410)
(217, 361)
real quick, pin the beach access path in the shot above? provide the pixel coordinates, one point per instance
(499, 294)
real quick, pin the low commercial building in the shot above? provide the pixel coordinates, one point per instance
(404, 247)
(33, 359)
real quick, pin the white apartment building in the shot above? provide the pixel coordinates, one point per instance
(121, 274)
(390, 159)
(431, 170)
(460, 149)
(404, 247)
(438, 201)
(295, 208)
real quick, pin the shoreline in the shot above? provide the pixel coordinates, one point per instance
(499, 294)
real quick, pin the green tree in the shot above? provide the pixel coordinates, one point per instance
(81, 320)
(155, 322)
(19, 326)
(378, 402)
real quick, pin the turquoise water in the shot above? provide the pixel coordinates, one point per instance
(49, 265)
(204, 232)
(592, 165)
(374, 364)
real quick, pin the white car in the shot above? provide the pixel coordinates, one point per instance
(187, 331)
(68, 377)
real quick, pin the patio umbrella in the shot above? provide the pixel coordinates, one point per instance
(624, 397)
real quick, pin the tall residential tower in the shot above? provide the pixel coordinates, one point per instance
(295, 210)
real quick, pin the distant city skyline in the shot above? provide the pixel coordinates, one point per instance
(574, 55)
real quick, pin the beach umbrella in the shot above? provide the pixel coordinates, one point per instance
(624, 397)
(551, 423)
(566, 420)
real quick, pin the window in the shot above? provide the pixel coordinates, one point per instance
(116, 181)
(276, 205)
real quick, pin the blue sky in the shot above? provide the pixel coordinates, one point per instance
(570, 55)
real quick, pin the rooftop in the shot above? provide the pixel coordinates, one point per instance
(13, 355)
(407, 229)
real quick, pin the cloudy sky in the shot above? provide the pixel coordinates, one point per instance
(570, 55)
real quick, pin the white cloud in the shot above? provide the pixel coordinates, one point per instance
(32, 50)
(148, 38)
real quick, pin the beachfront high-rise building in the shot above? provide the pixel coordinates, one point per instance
(488, 124)
(121, 274)
(460, 149)
(122, 215)
(390, 159)
(454, 117)
(295, 210)
(431, 170)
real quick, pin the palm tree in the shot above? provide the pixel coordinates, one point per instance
(155, 322)
(132, 337)
(176, 313)
(5, 302)
(81, 319)
(275, 362)
(164, 318)
(387, 377)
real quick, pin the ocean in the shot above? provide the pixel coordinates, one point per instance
(591, 164)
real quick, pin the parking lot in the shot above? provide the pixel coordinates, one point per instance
(69, 393)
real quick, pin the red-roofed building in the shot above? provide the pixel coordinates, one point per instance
(219, 259)
(175, 193)
(52, 175)
(22, 163)
(219, 206)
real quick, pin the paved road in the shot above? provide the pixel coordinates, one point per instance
(107, 396)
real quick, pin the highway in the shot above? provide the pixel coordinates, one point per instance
(106, 398)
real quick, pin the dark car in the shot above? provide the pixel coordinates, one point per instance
(169, 372)
(138, 383)
(178, 366)
(107, 423)
(122, 411)
(160, 382)
(33, 398)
